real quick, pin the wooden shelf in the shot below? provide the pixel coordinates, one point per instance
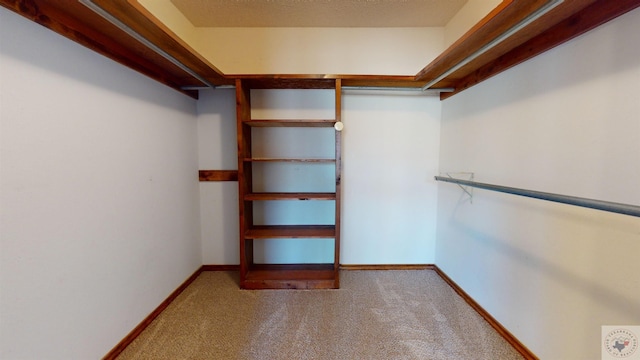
(299, 276)
(77, 22)
(289, 196)
(291, 276)
(291, 232)
(304, 160)
(287, 81)
(290, 123)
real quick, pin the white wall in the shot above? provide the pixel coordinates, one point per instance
(218, 200)
(472, 12)
(389, 195)
(565, 122)
(390, 153)
(384, 51)
(99, 195)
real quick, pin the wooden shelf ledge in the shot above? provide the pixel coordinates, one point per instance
(289, 196)
(290, 123)
(293, 276)
(291, 232)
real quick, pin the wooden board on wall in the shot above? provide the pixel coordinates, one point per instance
(218, 175)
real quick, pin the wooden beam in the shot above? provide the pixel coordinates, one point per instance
(80, 24)
(113, 354)
(76, 22)
(285, 81)
(140, 20)
(326, 81)
(594, 15)
(380, 267)
(214, 267)
(506, 15)
(218, 175)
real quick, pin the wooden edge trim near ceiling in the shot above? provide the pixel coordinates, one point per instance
(398, 78)
(326, 81)
(398, 81)
(79, 24)
(288, 81)
(590, 17)
(512, 340)
(113, 354)
(506, 15)
(84, 26)
(218, 175)
(137, 18)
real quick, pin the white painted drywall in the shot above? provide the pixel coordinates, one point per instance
(390, 153)
(99, 195)
(167, 14)
(566, 122)
(218, 200)
(390, 156)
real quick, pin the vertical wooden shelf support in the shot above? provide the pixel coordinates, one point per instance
(245, 175)
(338, 142)
(283, 276)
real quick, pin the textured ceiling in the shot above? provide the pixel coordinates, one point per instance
(319, 13)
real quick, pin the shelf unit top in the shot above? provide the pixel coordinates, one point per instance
(290, 123)
(292, 276)
(263, 196)
(291, 232)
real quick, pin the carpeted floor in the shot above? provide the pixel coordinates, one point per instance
(399, 314)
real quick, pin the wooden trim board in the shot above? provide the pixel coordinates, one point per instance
(82, 25)
(143, 325)
(218, 175)
(388, 267)
(523, 350)
(220, 267)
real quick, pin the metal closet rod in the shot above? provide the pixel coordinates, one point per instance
(122, 26)
(618, 208)
(355, 88)
(550, 5)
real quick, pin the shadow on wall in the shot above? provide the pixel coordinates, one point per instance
(217, 130)
(574, 62)
(48, 51)
(218, 200)
(608, 296)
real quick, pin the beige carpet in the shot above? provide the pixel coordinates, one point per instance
(410, 314)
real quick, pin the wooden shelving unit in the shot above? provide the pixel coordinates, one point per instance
(284, 276)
